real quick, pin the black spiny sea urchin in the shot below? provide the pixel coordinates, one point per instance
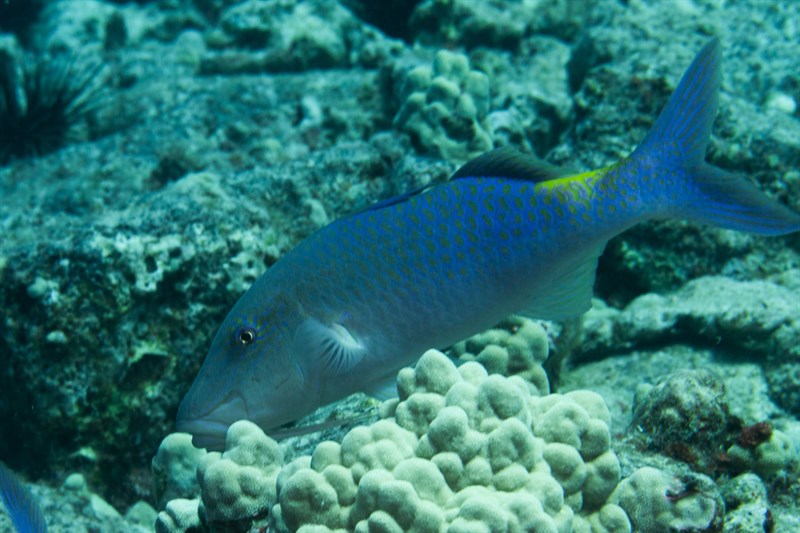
(42, 103)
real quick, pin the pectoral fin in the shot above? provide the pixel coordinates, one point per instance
(325, 349)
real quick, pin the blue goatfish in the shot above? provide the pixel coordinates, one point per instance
(369, 293)
(23, 509)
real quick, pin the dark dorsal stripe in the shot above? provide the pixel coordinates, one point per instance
(510, 164)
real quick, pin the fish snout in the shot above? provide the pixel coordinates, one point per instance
(208, 430)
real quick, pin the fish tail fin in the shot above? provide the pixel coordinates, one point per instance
(23, 508)
(676, 145)
(729, 201)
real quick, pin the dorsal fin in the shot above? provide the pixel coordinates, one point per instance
(510, 164)
(395, 199)
(503, 162)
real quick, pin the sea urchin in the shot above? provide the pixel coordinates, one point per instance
(41, 104)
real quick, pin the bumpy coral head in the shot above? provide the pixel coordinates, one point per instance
(248, 374)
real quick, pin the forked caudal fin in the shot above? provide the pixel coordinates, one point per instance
(678, 141)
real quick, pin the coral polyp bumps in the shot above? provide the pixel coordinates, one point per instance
(459, 451)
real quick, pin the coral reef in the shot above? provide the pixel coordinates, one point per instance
(259, 35)
(296, 36)
(224, 139)
(468, 22)
(759, 317)
(495, 24)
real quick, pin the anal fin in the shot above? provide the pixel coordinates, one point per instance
(571, 293)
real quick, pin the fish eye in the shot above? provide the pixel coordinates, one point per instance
(246, 336)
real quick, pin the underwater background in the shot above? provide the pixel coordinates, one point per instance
(157, 156)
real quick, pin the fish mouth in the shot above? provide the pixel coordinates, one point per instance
(208, 431)
(205, 433)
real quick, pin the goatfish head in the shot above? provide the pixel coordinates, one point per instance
(232, 382)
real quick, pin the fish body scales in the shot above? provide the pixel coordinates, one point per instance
(448, 260)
